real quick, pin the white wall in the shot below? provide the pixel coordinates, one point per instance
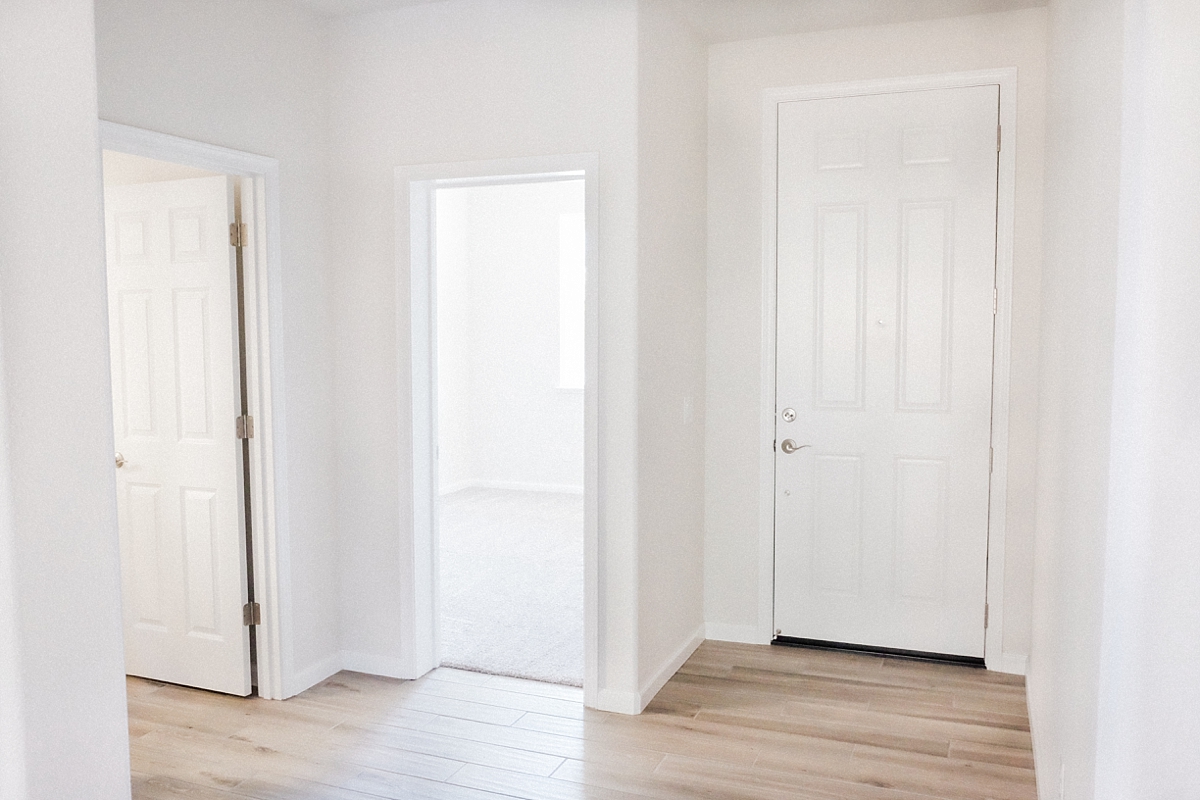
(503, 420)
(1149, 692)
(1078, 292)
(123, 169)
(251, 75)
(1114, 684)
(452, 286)
(672, 147)
(62, 691)
(737, 74)
(461, 81)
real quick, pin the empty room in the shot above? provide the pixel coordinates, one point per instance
(614, 399)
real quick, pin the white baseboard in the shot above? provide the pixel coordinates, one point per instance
(373, 664)
(618, 702)
(515, 486)
(672, 665)
(1013, 663)
(310, 676)
(723, 632)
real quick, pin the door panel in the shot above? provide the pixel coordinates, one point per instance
(886, 272)
(173, 330)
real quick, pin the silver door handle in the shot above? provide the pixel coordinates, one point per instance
(120, 460)
(788, 446)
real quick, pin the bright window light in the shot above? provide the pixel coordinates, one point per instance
(572, 272)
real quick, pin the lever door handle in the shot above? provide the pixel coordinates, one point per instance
(120, 460)
(789, 446)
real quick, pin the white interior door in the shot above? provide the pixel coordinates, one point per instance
(173, 333)
(886, 276)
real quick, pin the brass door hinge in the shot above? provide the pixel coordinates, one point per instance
(244, 426)
(252, 614)
(985, 615)
(237, 234)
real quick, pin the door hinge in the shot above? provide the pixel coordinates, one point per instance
(991, 459)
(252, 614)
(775, 445)
(237, 234)
(997, 138)
(244, 426)
(995, 300)
(985, 615)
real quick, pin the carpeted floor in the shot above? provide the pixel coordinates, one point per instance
(512, 584)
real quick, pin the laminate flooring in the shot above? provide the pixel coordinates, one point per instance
(737, 722)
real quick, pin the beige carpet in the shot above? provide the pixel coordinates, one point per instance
(512, 584)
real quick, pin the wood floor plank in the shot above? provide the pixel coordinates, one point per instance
(738, 722)
(471, 752)
(489, 695)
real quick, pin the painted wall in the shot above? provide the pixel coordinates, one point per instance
(1114, 684)
(123, 169)
(461, 81)
(251, 75)
(1149, 693)
(672, 148)
(503, 420)
(738, 72)
(62, 690)
(1078, 293)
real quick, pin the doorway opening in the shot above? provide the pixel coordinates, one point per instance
(509, 287)
(189, 268)
(552, 467)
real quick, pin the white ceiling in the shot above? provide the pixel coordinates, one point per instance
(342, 8)
(733, 20)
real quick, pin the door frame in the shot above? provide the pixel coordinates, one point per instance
(416, 290)
(997, 512)
(262, 284)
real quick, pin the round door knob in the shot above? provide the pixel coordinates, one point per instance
(120, 460)
(789, 446)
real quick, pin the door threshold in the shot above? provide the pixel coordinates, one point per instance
(890, 652)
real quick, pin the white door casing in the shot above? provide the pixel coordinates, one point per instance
(173, 336)
(886, 256)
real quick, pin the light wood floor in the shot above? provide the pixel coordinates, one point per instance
(738, 721)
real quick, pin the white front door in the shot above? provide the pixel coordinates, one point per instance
(173, 334)
(886, 276)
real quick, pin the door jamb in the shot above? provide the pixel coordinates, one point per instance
(415, 253)
(262, 283)
(997, 513)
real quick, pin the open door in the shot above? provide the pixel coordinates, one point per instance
(176, 399)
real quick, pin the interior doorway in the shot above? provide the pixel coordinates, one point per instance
(510, 278)
(193, 268)
(417, 189)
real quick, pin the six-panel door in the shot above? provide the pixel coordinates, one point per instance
(172, 320)
(886, 273)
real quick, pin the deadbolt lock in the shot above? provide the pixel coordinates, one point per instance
(789, 415)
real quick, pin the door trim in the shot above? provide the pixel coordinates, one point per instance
(997, 511)
(414, 187)
(263, 284)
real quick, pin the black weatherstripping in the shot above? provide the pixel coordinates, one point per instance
(911, 655)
